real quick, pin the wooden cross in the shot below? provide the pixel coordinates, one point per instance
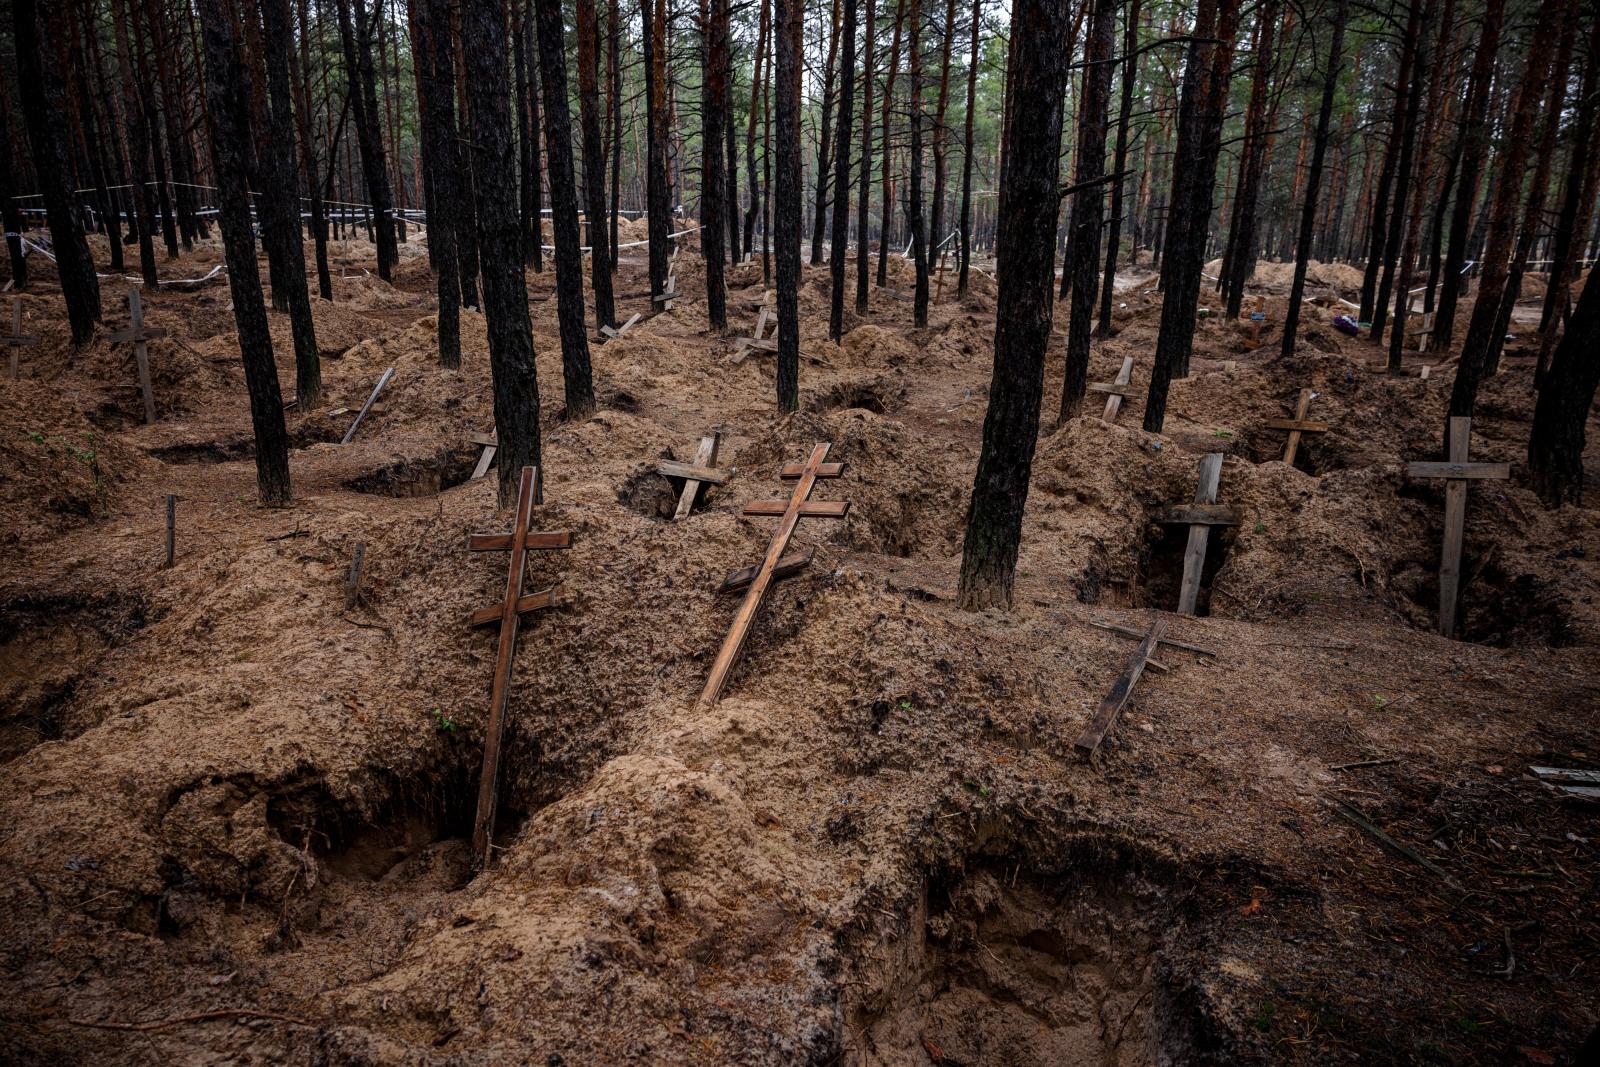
(1297, 425)
(1457, 472)
(491, 444)
(16, 338)
(1257, 318)
(1111, 707)
(138, 333)
(743, 345)
(383, 381)
(703, 471)
(790, 513)
(607, 332)
(670, 293)
(1116, 389)
(1200, 516)
(507, 613)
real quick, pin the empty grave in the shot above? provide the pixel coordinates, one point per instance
(1498, 606)
(421, 476)
(243, 447)
(1019, 964)
(874, 396)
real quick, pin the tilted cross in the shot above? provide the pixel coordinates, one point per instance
(1116, 389)
(1457, 471)
(790, 513)
(703, 471)
(508, 612)
(1200, 516)
(16, 338)
(1297, 425)
(138, 333)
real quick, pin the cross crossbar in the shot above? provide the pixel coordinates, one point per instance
(701, 472)
(792, 512)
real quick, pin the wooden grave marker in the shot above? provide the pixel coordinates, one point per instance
(606, 332)
(508, 613)
(1116, 390)
(1456, 471)
(138, 333)
(383, 381)
(16, 338)
(1200, 516)
(1111, 707)
(1258, 318)
(1297, 425)
(491, 444)
(702, 471)
(790, 512)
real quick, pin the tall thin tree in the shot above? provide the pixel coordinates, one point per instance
(841, 169)
(786, 193)
(594, 163)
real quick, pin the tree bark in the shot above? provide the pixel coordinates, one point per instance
(819, 221)
(138, 143)
(915, 221)
(308, 153)
(42, 97)
(1577, 200)
(841, 171)
(753, 211)
(1561, 414)
(788, 16)
(505, 289)
(888, 150)
(864, 193)
(965, 224)
(1240, 261)
(575, 368)
(1025, 246)
(437, 99)
(356, 37)
(229, 110)
(594, 163)
(713, 123)
(1413, 75)
(658, 195)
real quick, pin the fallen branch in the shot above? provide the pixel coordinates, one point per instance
(197, 1017)
(1351, 815)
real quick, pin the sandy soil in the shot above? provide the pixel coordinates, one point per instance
(233, 818)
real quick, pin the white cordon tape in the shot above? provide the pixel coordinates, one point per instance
(136, 279)
(630, 244)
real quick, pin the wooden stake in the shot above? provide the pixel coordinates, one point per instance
(486, 457)
(383, 381)
(1457, 471)
(519, 541)
(1194, 557)
(172, 528)
(1297, 425)
(352, 582)
(790, 518)
(1114, 400)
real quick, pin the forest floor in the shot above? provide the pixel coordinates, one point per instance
(234, 812)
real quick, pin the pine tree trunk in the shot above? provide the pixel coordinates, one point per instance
(1130, 70)
(936, 234)
(713, 105)
(819, 220)
(356, 37)
(888, 150)
(505, 289)
(1088, 204)
(787, 23)
(753, 212)
(436, 95)
(915, 221)
(864, 193)
(965, 224)
(278, 165)
(594, 163)
(1414, 74)
(614, 107)
(527, 136)
(1561, 414)
(43, 110)
(1025, 246)
(658, 195)
(10, 217)
(841, 171)
(1577, 200)
(1474, 143)
(138, 144)
(1308, 209)
(575, 368)
(308, 154)
(1240, 262)
(229, 109)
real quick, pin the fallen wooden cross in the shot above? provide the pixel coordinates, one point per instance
(138, 333)
(16, 338)
(701, 472)
(508, 613)
(1570, 781)
(1111, 707)
(790, 512)
(751, 344)
(490, 443)
(1457, 472)
(1200, 516)
(1297, 425)
(1116, 389)
(383, 381)
(608, 332)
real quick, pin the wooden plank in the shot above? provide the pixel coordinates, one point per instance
(487, 440)
(1116, 389)
(1302, 405)
(821, 509)
(489, 778)
(787, 567)
(693, 471)
(383, 381)
(138, 333)
(1118, 628)
(352, 581)
(1455, 470)
(824, 470)
(1455, 524)
(1297, 425)
(625, 327)
(141, 355)
(1114, 401)
(487, 457)
(535, 540)
(525, 603)
(1572, 775)
(1191, 514)
(705, 455)
(17, 338)
(722, 667)
(1111, 707)
(761, 322)
(1194, 556)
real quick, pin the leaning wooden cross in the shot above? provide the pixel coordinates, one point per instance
(703, 471)
(1297, 425)
(138, 333)
(1457, 472)
(1257, 318)
(16, 338)
(1200, 516)
(607, 332)
(507, 613)
(1116, 389)
(376, 389)
(790, 512)
(491, 444)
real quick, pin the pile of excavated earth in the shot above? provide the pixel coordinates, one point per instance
(237, 801)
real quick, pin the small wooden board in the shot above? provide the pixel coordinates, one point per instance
(787, 567)
(1194, 556)
(1297, 425)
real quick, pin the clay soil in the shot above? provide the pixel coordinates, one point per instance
(234, 811)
